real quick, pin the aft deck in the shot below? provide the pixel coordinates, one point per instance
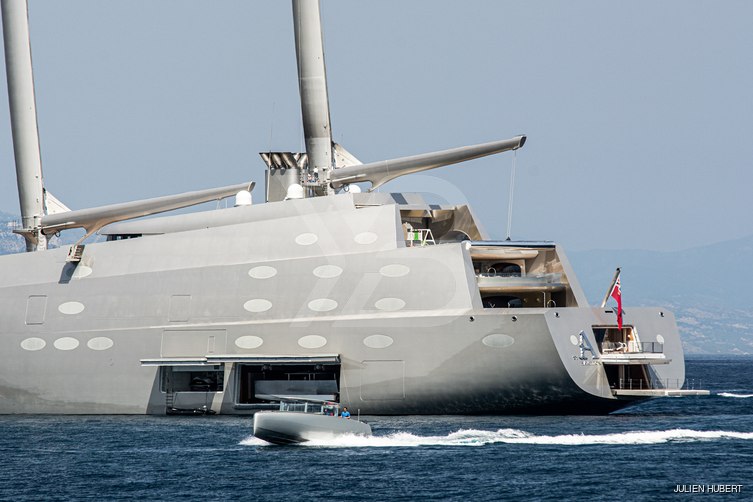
(516, 283)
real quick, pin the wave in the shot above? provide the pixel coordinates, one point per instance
(472, 437)
(253, 441)
(732, 394)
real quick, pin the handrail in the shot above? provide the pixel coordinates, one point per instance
(632, 347)
(419, 237)
(545, 277)
(656, 383)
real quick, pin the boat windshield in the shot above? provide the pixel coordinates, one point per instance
(323, 408)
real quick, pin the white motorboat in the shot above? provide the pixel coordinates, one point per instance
(301, 420)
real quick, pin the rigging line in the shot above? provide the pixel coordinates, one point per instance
(344, 384)
(301, 139)
(512, 191)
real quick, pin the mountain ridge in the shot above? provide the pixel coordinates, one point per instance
(704, 286)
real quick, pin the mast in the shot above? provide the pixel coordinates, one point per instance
(23, 116)
(312, 82)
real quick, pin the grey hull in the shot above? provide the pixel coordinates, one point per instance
(381, 301)
(280, 427)
(406, 324)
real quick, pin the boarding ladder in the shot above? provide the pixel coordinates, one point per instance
(74, 253)
(169, 402)
(419, 237)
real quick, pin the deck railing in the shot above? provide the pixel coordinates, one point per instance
(501, 274)
(656, 383)
(632, 347)
(632, 384)
(419, 237)
(676, 383)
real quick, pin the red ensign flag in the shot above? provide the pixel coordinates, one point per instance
(617, 295)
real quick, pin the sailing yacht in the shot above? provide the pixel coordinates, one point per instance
(387, 303)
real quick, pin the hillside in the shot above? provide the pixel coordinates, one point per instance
(704, 286)
(10, 242)
(14, 243)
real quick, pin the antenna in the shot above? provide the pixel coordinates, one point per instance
(512, 191)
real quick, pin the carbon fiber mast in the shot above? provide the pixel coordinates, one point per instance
(312, 82)
(23, 115)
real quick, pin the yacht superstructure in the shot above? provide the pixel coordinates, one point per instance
(387, 302)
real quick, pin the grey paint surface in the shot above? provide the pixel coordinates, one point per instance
(126, 291)
(305, 279)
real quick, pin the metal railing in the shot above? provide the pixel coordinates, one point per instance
(632, 347)
(676, 383)
(656, 383)
(419, 237)
(632, 384)
(553, 277)
(13, 224)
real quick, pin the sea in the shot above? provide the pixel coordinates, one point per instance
(663, 449)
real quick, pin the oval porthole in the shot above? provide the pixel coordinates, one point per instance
(66, 343)
(248, 342)
(327, 271)
(378, 341)
(394, 270)
(306, 239)
(81, 272)
(71, 308)
(312, 341)
(498, 340)
(100, 343)
(322, 305)
(33, 344)
(390, 304)
(366, 238)
(262, 272)
(257, 305)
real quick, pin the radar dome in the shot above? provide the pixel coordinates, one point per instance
(295, 191)
(243, 198)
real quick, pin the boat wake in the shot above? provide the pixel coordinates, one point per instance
(254, 441)
(471, 437)
(732, 394)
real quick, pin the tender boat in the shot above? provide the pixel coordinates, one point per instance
(301, 420)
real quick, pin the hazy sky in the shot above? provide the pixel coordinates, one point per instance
(639, 114)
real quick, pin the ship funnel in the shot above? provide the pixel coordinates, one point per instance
(379, 173)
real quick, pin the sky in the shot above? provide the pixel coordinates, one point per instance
(639, 115)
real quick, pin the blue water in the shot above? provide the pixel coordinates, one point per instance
(641, 453)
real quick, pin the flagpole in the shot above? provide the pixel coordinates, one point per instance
(611, 287)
